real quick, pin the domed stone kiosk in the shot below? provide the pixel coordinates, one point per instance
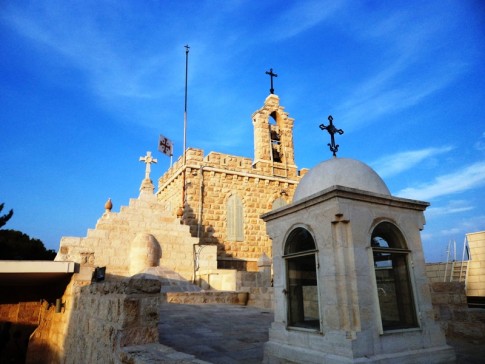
(349, 273)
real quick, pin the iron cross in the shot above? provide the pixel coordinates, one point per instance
(271, 75)
(332, 130)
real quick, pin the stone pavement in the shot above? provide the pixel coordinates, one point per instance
(230, 334)
(216, 333)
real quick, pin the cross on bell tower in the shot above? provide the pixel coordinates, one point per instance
(332, 130)
(271, 75)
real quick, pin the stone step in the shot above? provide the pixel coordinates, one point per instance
(171, 281)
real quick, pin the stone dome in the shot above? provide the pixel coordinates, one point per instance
(342, 172)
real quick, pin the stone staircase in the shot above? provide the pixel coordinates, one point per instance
(109, 243)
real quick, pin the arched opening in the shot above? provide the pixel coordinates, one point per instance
(301, 280)
(275, 138)
(394, 288)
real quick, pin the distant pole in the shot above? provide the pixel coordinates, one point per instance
(185, 105)
(185, 122)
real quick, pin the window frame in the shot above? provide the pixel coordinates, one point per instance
(294, 257)
(393, 236)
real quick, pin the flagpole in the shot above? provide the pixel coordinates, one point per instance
(185, 123)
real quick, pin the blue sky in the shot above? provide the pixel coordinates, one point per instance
(86, 87)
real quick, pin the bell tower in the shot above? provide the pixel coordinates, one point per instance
(273, 139)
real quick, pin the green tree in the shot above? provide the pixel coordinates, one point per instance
(15, 245)
(6, 217)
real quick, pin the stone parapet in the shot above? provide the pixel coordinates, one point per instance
(452, 312)
(97, 321)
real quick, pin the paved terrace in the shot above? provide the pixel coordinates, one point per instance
(230, 334)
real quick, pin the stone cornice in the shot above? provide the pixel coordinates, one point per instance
(348, 194)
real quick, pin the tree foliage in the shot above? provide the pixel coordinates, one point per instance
(6, 217)
(15, 245)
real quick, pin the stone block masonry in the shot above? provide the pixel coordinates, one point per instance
(452, 312)
(212, 181)
(115, 242)
(204, 188)
(97, 321)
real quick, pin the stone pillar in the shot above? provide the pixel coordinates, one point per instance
(264, 267)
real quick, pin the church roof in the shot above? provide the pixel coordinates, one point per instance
(344, 172)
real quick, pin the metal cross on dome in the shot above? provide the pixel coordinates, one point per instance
(332, 130)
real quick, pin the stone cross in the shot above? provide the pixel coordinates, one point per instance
(148, 159)
(271, 75)
(332, 130)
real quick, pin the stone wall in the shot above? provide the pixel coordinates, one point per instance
(210, 182)
(47, 343)
(259, 284)
(451, 272)
(17, 322)
(212, 179)
(97, 321)
(451, 311)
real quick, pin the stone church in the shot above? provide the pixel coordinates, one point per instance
(204, 222)
(225, 195)
(349, 279)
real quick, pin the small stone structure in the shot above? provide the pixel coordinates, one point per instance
(349, 274)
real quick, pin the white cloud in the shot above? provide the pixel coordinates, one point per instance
(385, 93)
(114, 66)
(403, 45)
(400, 162)
(453, 207)
(302, 16)
(462, 180)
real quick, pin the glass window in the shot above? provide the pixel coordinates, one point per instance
(391, 268)
(301, 276)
